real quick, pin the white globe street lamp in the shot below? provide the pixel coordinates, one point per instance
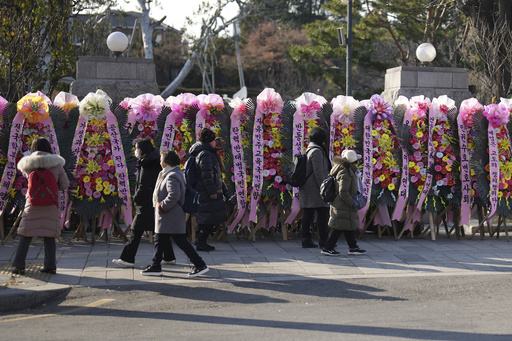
(117, 42)
(426, 53)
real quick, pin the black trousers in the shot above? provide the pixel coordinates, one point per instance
(322, 222)
(203, 231)
(350, 237)
(50, 251)
(162, 242)
(130, 249)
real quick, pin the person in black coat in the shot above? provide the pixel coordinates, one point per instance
(148, 168)
(212, 209)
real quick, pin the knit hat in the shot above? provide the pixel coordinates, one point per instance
(350, 155)
(206, 135)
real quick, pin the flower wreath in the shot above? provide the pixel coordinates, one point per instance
(267, 182)
(467, 134)
(236, 164)
(411, 119)
(101, 173)
(445, 165)
(307, 114)
(178, 131)
(142, 115)
(343, 127)
(31, 121)
(497, 158)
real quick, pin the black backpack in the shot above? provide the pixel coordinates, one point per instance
(329, 189)
(191, 202)
(190, 171)
(297, 173)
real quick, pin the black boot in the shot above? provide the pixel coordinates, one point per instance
(200, 243)
(307, 243)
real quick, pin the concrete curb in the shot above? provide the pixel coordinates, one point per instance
(18, 299)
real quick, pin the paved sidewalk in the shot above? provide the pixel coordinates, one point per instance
(83, 264)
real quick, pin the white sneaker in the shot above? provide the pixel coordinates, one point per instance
(121, 262)
(168, 262)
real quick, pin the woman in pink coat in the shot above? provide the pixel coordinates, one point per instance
(40, 221)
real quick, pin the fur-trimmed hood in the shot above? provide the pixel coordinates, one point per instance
(341, 165)
(40, 160)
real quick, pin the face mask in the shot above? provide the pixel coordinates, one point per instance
(137, 154)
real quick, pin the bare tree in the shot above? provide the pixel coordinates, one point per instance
(147, 27)
(489, 46)
(203, 47)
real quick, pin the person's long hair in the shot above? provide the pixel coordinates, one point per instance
(40, 144)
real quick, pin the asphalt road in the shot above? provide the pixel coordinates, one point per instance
(402, 308)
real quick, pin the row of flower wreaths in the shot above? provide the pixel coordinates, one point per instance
(417, 155)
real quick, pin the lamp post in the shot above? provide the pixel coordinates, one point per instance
(349, 49)
(117, 42)
(425, 53)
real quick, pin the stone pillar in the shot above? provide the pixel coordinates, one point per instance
(119, 77)
(431, 82)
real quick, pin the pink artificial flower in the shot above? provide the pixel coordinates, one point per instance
(419, 106)
(269, 101)
(467, 111)
(497, 115)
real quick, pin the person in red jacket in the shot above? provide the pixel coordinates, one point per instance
(40, 221)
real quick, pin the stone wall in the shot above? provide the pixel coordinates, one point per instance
(431, 82)
(119, 77)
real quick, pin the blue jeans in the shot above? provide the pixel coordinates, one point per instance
(50, 251)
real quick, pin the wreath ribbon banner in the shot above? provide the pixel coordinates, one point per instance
(368, 167)
(10, 168)
(465, 174)
(169, 131)
(238, 170)
(494, 170)
(120, 165)
(430, 162)
(298, 143)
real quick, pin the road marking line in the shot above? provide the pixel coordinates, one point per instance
(90, 305)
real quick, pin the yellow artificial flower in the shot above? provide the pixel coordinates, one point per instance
(374, 132)
(500, 194)
(99, 187)
(183, 127)
(105, 184)
(89, 199)
(92, 167)
(99, 180)
(344, 131)
(382, 177)
(110, 162)
(414, 117)
(448, 168)
(336, 143)
(419, 134)
(445, 158)
(87, 179)
(411, 164)
(420, 188)
(102, 201)
(435, 144)
(391, 186)
(107, 191)
(374, 160)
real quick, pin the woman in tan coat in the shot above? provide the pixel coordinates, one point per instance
(344, 218)
(40, 221)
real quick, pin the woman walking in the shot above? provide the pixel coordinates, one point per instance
(344, 218)
(168, 196)
(148, 168)
(41, 221)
